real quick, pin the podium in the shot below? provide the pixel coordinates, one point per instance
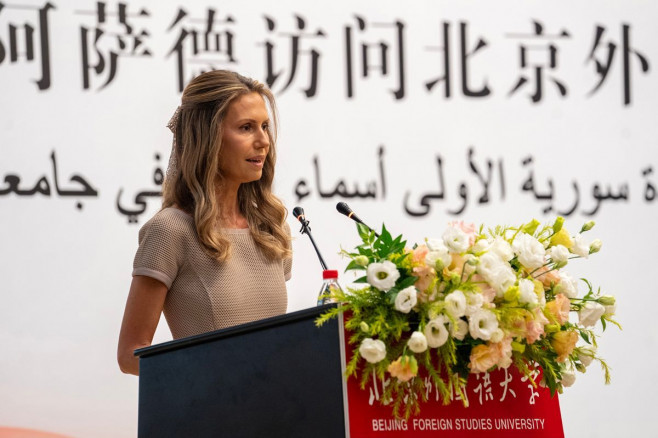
(278, 377)
(283, 377)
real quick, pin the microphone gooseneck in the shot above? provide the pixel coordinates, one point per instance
(298, 212)
(345, 209)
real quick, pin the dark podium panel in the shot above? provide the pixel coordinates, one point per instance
(278, 377)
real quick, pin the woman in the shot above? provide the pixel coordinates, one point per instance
(218, 253)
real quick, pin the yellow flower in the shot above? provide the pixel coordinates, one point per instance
(404, 368)
(563, 343)
(563, 238)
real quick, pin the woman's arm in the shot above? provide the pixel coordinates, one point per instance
(140, 319)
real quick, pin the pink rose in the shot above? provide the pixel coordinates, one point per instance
(548, 277)
(418, 254)
(504, 348)
(534, 326)
(404, 368)
(559, 308)
(425, 276)
(483, 357)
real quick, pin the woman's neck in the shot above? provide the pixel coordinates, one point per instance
(229, 210)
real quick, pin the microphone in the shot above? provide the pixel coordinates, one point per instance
(298, 212)
(345, 209)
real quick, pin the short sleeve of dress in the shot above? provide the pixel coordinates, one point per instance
(161, 246)
(287, 262)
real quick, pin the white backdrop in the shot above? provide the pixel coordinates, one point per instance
(582, 122)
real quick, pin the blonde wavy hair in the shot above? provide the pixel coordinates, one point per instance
(193, 183)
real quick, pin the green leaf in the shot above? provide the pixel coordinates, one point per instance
(585, 337)
(363, 279)
(351, 266)
(364, 232)
(409, 281)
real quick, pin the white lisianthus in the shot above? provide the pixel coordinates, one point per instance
(382, 275)
(610, 309)
(530, 252)
(502, 249)
(590, 314)
(568, 285)
(435, 244)
(568, 376)
(455, 239)
(458, 331)
(417, 342)
(558, 253)
(580, 246)
(498, 273)
(406, 299)
(497, 336)
(436, 332)
(587, 354)
(456, 303)
(372, 350)
(442, 256)
(481, 245)
(482, 324)
(474, 303)
(527, 293)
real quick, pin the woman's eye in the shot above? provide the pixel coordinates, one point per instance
(266, 127)
(246, 127)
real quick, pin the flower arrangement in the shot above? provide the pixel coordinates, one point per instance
(470, 302)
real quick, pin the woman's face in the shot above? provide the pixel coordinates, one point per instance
(245, 142)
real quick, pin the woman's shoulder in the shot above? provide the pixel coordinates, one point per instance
(170, 221)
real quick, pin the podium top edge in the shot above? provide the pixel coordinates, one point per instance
(232, 331)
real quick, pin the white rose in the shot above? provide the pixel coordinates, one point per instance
(458, 331)
(568, 376)
(587, 354)
(481, 245)
(590, 313)
(580, 246)
(435, 244)
(558, 253)
(567, 286)
(417, 342)
(382, 275)
(434, 256)
(455, 239)
(530, 252)
(498, 273)
(456, 303)
(527, 293)
(502, 249)
(372, 350)
(406, 299)
(474, 303)
(482, 324)
(436, 332)
(610, 309)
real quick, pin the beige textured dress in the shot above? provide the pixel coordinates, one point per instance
(205, 295)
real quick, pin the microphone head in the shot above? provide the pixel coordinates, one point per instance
(298, 212)
(343, 208)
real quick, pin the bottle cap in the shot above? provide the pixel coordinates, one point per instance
(329, 273)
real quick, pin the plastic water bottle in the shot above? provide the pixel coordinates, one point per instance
(329, 285)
